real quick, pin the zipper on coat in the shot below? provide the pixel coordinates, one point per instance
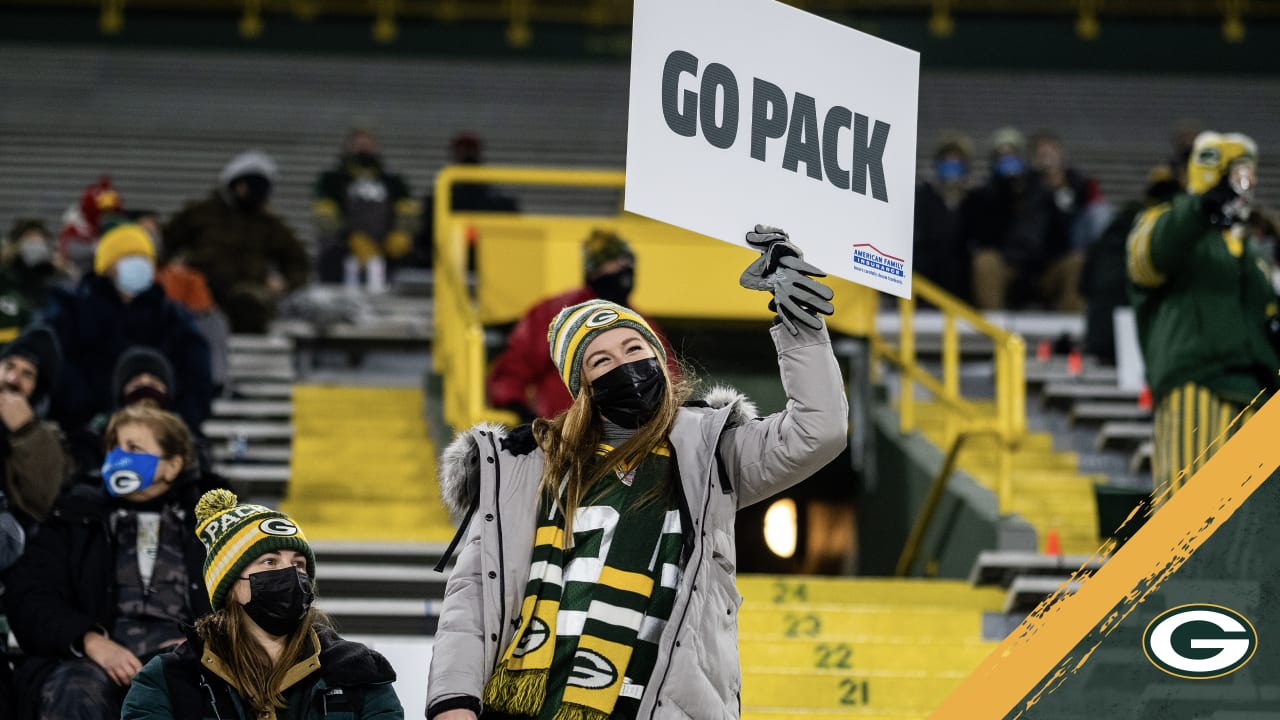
(702, 551)
(213, 700)
(497, 519)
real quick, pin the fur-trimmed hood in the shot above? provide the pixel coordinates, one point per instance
(459, 469)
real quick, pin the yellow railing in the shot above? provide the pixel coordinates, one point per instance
(1006, 420)
(522, 258)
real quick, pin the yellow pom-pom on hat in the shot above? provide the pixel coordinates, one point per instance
(120, 241)
(235, 535)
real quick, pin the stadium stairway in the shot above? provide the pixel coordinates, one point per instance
(363, 468)
(851, 647)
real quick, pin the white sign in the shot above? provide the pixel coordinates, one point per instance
(755, 112)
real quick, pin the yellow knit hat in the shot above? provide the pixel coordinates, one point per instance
(122, 240)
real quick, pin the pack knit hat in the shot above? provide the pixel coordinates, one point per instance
(576, 326)
(119, 241)
(235, 535)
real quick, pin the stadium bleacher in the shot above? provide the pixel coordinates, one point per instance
(162, 123)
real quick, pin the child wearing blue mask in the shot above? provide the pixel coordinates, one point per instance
(114, 573)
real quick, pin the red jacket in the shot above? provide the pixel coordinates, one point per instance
(524, 372)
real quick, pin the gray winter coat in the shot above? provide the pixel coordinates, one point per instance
(697, 673)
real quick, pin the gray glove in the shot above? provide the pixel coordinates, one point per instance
(781, 270)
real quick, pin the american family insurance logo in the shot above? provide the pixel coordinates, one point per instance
(869, 260)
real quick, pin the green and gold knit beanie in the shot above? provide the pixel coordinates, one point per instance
(235, 535)
(576, 326)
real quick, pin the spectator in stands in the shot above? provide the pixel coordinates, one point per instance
(142, 376)
(625, 461)
(1019, 225)
(1104, 282)
(36, 462)
(940, 252)
(271, 652)
(1080, 212)
(249, 257)
(1203, 301)
(362, 210)
(464, 149)
(29, 268)
(112, 575)
(99, 207)
(523, 378)
(117, 307)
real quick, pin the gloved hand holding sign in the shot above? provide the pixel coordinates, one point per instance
(781, 270)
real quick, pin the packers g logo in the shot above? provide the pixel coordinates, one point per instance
(1199, 641)
(278, 526)
(124, 482)
(602, 317)
(592, 671)
(535, 636)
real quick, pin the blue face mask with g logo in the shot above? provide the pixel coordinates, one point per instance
(126, 472)
(134, 274)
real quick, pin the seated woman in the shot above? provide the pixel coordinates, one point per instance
(264, 651)
(112, 575)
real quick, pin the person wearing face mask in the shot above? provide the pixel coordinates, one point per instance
(29, 269)
(465, 148)
(115, 308)
(112, 575)
(265, 651)
(361, 209)
(523, 378)
(1022, 253)
(1205, 308)
(596, 573)
(249, 257)
(939, 248)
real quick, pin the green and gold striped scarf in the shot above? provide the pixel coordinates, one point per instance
(593, 613)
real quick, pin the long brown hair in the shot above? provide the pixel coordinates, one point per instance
(570, 440)
(253, 673)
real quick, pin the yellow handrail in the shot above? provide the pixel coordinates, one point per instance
(1006, 420)
(459, 353)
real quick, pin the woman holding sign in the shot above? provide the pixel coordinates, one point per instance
(596, 579)
(111, 576)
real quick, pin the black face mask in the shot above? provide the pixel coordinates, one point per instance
(614, 287)
(145, 392)
(279, 599)
(629, 395)
(257, 190)
(365, 160)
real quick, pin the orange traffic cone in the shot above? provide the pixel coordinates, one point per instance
(1052, 543)
(1075, 363)
(1043, 351)
(1144, 398)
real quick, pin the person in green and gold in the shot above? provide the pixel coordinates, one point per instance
(1204, 303)
(596, 576)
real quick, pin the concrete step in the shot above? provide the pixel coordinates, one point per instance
(227, 408)
(779, 590)
(854, 694)
(261, 430)
(840, 622)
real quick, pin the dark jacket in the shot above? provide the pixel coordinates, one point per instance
(940, 252)
(96, 327)
(1104, 286)
(1202, 298)
(65, 583)
(234, 247)
(351, 683)
(1023, 219)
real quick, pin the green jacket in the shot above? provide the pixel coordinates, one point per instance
(1202, 297)
(338, 680)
